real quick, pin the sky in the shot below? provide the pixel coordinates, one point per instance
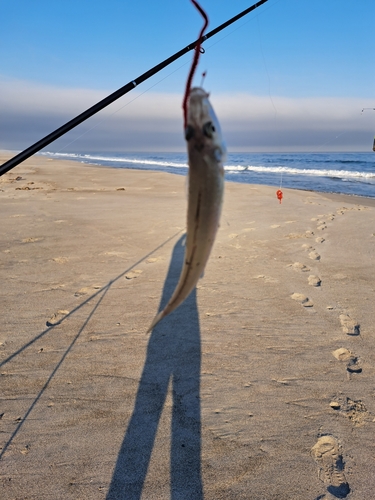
(293, 75)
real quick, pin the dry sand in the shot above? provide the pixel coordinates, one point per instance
(261, 386)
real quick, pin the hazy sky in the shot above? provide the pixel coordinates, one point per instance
(292, 75)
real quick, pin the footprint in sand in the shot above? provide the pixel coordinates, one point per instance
(342, 354)
(353, 365)
(354, 410)
(349, 325)
(302, 299)
(314, 280)
(122, 255)
(342, 210)
(267, 279)
(307, 247)
(314, 255)
(352, 362)
(320, 239)
(31, 240)
(151, 260)
(87, 290)
(298, 266)
(60, 260)
(327, 455)
(57, 317)
(306, 234)
(133, 274)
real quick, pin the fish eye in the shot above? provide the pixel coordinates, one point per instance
(209, 129)
(189, 132)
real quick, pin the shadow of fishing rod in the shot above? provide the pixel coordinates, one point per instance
(53, 373)
(105, 288)
(31, 150)
(102, 291)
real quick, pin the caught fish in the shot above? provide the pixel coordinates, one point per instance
(206, 154)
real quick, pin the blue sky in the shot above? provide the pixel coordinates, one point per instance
(292, 75)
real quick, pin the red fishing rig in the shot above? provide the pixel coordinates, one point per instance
(279, 195)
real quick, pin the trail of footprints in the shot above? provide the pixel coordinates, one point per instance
(327, 450)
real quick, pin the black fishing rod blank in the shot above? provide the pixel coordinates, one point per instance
(20, 157)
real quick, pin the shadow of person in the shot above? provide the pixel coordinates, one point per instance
(173, 354)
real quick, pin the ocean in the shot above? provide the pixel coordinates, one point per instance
(345, 173)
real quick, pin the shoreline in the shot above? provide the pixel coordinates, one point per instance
(349, 198)
(259, 386)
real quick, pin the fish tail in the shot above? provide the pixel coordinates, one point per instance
(156, 320)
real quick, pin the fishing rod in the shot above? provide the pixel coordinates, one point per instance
(20, 157)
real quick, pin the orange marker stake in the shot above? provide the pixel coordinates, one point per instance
(279, 195)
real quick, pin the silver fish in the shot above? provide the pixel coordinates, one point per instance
(206, 154)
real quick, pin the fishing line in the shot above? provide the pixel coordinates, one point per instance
(104, 120)
(341, 134)
(265, 67)
(332, 140)
(203, 77)
(243, 24)
(279, 193)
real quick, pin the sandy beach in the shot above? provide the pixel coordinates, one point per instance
(260, 386)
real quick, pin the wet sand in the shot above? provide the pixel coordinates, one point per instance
(260, 386)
